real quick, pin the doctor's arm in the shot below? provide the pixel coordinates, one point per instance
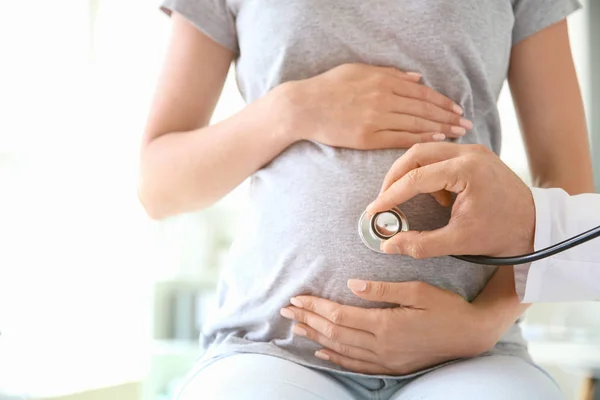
(573, 275)
(549, 106)
(550, 110)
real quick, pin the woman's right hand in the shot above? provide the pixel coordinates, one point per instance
(368, 107)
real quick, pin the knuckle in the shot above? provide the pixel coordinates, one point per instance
(332, 332)
(361, 130)
(415, 122)
(452, 118)
(343, 349)
(382, 81)
(347, 68)
(378, 81)
(429, 109)
(417, 251)
(301, 316)
(310, 334)
(381, 329)
(370, 117)
(308, 304)
(468, 161)
(377, 99)
(337, 316)
(414, 176)
(361, 136)
(445, 128)
(414, 151)
(480, 149)
(425, 93)
(380, 289)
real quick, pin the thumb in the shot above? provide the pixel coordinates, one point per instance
(426, 244)
(407, 294)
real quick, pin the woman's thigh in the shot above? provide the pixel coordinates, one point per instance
(490, 378)
(261, 377)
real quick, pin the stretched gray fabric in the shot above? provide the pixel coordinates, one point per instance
(302, 237)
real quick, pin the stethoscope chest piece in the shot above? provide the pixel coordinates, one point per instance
(380, 227)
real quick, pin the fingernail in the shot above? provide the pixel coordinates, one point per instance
(457, 109)
(458, 130)
(287, 313)
(465, 123)
(296, 302)
(438, 137)
(321, 355)
(415, 74)
(357, 285)
(299, 330)
(389, 249)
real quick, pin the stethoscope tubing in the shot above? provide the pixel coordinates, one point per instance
(372, 240)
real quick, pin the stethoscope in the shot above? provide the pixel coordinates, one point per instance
(384, 225)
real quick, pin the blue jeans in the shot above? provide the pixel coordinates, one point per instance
(262, 377)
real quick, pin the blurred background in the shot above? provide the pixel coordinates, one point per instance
(96, 300)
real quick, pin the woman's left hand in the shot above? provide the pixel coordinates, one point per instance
(429, 326)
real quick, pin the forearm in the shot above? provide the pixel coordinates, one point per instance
(185, 171)
(552, 121)
(567, 165)
(550, 109)
(499, 304)
(557, 143)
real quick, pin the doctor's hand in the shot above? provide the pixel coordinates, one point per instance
(363, 107)
(428, 326)
(493, 213)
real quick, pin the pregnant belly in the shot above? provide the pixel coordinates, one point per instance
(304, 238)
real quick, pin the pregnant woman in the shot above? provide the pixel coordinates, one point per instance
(337, 91)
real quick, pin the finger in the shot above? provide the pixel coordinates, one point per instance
(352, 364)
(350, 336)
(407, 294)
(419, 156)
(422, 92)
(413, 123)
(396, 73)
(395, 139)
(351, 317)
(357, 353)
(426, 110)
(427, 244)
(428, 179)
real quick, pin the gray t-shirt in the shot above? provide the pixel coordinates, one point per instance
(303, 238)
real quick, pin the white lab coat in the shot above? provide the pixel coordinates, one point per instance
(573, 275)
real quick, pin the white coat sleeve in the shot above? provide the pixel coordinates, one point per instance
(573, 275)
